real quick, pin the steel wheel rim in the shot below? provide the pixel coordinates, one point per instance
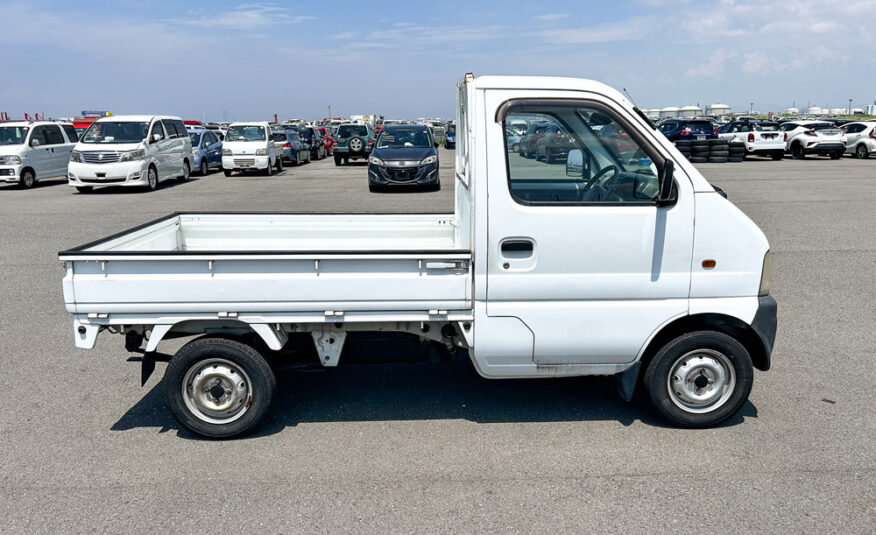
(217, 391)
(701, 381)
(153, 178)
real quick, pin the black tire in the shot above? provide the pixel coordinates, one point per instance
(836, 155)
(719, 153)
(269, 170)
(861, 152)
(699, 159)
(700, 154)
(699, 143)
(84, 189)
(736, 159)
(27, 179)
(717, 159)
(227, 172)
(187, 172)
(797, 152)
(548, 157)
(204, 167)
(280, 164)
(337, 160)
(705, 348)
(253, 397)
(778, 155)
(683, 143)
(152, 178)
(374, 189)
(297, 158)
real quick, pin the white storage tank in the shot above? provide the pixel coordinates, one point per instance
(717, 109)
(669, 111)
(839, 111)
(815, 110)
(793, 111)
(690, 111)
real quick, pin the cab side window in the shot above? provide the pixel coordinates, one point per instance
(156, 129)
(582, 155)
(53, 135)
(170, 127)
(39, 134)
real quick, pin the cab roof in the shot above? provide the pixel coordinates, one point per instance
(135, 118)
(548, 83)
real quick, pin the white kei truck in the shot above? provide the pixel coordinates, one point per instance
(620, 261)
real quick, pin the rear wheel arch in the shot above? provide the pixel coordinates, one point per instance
(723, 323)
(263, 336)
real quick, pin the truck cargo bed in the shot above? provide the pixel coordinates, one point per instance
(273, 263)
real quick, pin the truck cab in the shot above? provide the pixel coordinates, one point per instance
(590, 264)
(250, 145)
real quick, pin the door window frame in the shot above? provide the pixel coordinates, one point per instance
(532, 106)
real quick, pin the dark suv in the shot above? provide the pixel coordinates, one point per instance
(313, 137)
(687, 129)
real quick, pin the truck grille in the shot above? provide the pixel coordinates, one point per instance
(100, 157)
(244, 162)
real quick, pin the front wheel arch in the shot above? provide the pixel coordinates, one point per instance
(729, 325)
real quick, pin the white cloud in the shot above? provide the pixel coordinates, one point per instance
(631, 30)
(550, 17)
(246, 17)
(342, 35)
(714, 64)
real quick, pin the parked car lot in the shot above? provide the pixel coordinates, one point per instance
(556, 448)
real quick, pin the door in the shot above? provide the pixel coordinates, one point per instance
(578, 249)
(39, 156)
(214, 150)
(59, 150)
(175, 146)
(158, 148)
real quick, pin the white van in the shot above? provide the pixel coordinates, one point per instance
(131, 150)
(32, 151)
(251, 146)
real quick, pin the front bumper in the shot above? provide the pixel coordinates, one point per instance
(111, 174)
(403, 176)
(10, 173)
(765, 324)
(248, 161)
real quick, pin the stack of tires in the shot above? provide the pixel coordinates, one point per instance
(719, 150)
(683, 147)
(699, 151)
(736, 151)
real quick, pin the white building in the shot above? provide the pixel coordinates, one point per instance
(793, 111)
(717, 109)
(690, 111)
(668, 112)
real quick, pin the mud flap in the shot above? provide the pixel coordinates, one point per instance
(626, 381)
(147, 366)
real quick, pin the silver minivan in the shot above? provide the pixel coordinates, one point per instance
(33, 151)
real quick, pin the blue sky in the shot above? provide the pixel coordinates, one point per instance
(402, 59)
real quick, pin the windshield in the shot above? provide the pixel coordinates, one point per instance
(771, 127)
(245, 133)
(276, 136)
(196, 138)
(349, 130)
(702, 126)
(116, 132)
(12, 135)
(404, 139)
(451, 129)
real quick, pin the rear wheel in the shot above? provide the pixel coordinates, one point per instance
(218, 387)
(861, 152)
(228, 172)
(836, 155)
(187, 172)
(797, 152)
(778, 155)
(280, 164)
(27, 179)
(699, 379)
(337, 159)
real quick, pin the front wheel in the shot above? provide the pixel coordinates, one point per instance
(861, 152)
(227, 172)
(280, 164)
(218, 387)
(84, 189)
(699, 379)
(152, 178)
(187, 172)
(203, 169)
(28, 179)
(797, 152)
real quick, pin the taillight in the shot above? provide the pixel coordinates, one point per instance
(558, 136)
(810, 133)
(287, 144)
(786, 137)
(751, 138)
(684, 131)
(873, 133)
(370, 141)
(715, 131)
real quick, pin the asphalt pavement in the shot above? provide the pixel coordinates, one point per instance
(424, 447)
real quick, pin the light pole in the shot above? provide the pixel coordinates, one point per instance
(750, 108)
(850, 106)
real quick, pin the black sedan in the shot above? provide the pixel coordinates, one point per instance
(404, 155)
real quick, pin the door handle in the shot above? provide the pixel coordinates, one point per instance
(517, 248)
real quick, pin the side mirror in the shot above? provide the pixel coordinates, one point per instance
(575, 163)
(666, 182)
(436, 144)
(156, 138)
(34, 142)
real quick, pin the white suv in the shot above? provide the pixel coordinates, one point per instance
(32, 151)
(131, 150)
(860, 138)
(814, 137)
